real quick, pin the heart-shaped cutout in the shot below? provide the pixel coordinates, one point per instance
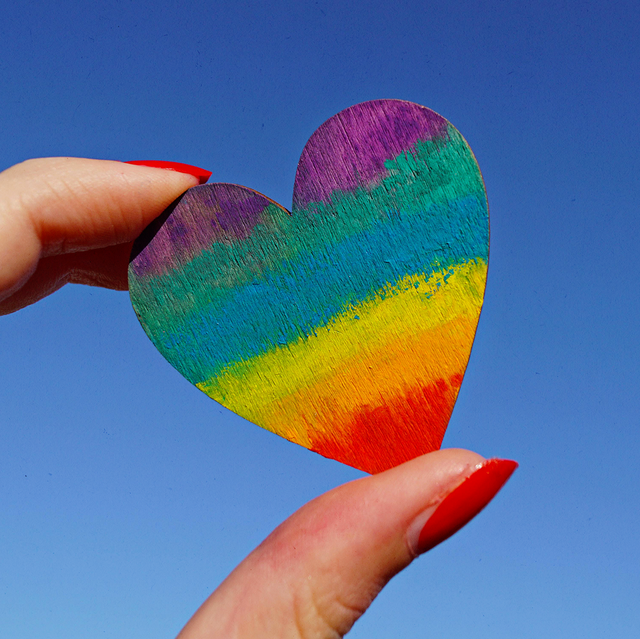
(345, 326)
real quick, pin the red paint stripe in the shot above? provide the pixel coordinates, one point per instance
(384, 436)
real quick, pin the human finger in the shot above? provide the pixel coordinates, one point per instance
(317, 573)
(105, 267)
(59, 206)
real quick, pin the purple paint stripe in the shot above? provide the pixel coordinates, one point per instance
(205, 215)
(349, 150)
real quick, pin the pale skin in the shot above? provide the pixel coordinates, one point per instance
(68, 220)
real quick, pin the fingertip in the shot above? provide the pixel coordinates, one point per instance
(460, 505)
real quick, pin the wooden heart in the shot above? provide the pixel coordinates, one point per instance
(345, 326)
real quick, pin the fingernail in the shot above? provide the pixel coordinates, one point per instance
(464, 502)
(202, 174)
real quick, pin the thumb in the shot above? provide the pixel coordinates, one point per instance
(317, 573)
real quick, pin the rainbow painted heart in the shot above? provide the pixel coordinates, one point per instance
(345, 326)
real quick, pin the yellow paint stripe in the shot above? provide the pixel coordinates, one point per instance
(385, 375)
(419, 330)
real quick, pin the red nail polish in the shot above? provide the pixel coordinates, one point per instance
(465, 501)
(201, 174)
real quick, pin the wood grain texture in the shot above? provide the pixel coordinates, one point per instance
(346, 325)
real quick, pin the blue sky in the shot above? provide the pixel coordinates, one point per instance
(126, 495)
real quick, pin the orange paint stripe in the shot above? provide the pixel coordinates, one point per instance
(410, 425)
(326, 410)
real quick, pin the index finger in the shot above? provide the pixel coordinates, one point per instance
(56, 206)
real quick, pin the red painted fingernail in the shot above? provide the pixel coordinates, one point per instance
(465, 501)
(196, 171)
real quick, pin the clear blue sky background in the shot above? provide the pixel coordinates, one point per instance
(126, 495)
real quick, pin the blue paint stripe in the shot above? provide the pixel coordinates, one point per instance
(319, 286)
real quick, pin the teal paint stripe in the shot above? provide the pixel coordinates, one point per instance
(434, 174)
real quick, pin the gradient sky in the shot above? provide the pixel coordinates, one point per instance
(126, 495)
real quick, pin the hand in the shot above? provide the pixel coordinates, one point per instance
(72, 220)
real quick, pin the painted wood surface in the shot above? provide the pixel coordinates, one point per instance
(346, 325)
